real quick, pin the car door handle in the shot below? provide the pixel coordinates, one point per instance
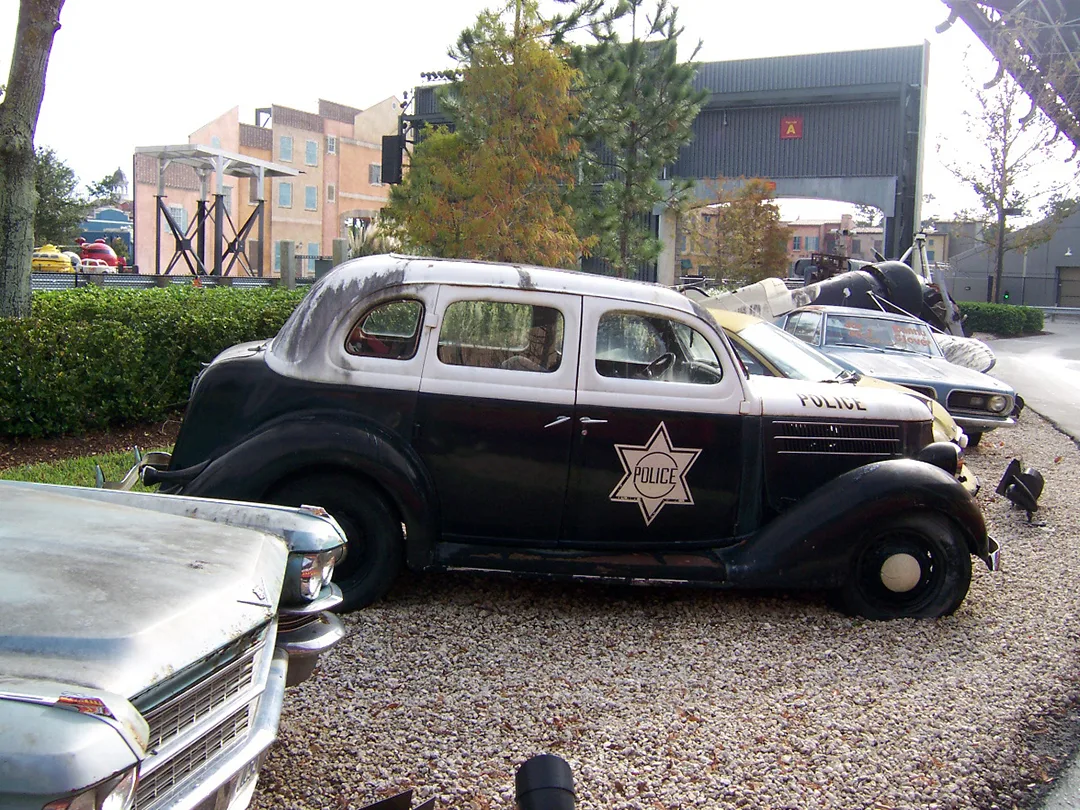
(558, 421)
(588, 420)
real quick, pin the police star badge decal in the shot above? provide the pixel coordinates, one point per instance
(655, 474)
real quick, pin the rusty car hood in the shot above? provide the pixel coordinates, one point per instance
(116, 598)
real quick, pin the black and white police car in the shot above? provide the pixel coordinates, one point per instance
(481, 416)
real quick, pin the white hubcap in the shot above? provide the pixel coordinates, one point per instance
(900, 573)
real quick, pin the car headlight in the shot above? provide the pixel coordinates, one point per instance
(309, 572)
(115, 793)
(997, 403)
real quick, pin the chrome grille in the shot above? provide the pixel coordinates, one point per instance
(157, 784)
(837, 438)
(174, 716)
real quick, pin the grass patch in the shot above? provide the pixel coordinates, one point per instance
(77, 472)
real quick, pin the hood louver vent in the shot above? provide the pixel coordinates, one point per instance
(831, 438)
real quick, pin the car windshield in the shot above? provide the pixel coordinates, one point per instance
(880, 333)
(791, 356)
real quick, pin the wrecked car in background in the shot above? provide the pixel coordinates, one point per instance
(902, 350)
(504, 418)
(146, 642)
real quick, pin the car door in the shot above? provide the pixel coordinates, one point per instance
(494, 416)
(658, 453)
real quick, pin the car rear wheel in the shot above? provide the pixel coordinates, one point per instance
(974, 438)
(917, 567)
(375, 548)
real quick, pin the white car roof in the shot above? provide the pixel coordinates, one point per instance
(427, 270)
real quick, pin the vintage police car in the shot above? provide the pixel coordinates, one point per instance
(467, 415)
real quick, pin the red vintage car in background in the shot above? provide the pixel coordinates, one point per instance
(99, 249)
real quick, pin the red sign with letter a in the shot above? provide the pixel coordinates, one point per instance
(790, 128)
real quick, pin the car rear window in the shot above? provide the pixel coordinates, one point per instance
(500, 334)
(390, 330)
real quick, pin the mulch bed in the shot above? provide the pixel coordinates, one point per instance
(15, 452)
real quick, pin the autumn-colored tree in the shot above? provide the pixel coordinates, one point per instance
(738, 235)
(39, 20)
(494, 188)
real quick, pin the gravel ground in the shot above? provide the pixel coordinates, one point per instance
(673, 698)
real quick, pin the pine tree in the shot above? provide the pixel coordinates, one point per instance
(639, 104)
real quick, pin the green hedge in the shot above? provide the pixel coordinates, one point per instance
(92, 357)
(1003, 320)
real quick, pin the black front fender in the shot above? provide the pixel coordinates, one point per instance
(319, 441)
(810, 545)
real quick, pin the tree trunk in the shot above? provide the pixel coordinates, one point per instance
(999, 259)
(39, 20)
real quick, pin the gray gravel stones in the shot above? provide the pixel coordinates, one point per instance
(677, 698)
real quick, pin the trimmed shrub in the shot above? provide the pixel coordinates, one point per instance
(91, 357)
(1004, 320)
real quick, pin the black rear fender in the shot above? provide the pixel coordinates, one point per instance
(811, 544)
(306, 443)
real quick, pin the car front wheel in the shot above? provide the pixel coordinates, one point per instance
(917, 567)
(375, 548)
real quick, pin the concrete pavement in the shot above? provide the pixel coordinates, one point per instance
(1045, 370)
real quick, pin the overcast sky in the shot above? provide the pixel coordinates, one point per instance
(144, 72)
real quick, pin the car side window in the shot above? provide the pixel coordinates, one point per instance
(806, 326)
(500, 334)
(390, 330)
(750, 363)
(633, 345)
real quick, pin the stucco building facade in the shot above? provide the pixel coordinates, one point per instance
(338, 152)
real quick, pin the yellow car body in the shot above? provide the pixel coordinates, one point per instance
(49, 258)
(746, 337)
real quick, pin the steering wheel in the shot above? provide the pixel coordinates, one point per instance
(658, 366)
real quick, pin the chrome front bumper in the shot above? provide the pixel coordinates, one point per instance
(307, 631)
(982, 423)
(992, 558)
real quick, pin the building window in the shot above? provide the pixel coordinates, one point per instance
(285, 148)
(284, 195)
(215, 141)
(179, 216)
(311, 153)
(930, 256)
(226, 199)
(796, 243)
(277, 256)
(311, 198)
(331, 145)
(375, 174)
(331, 192)
(812, 243)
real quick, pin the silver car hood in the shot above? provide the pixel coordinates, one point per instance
(913, 368)
(115, 597)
